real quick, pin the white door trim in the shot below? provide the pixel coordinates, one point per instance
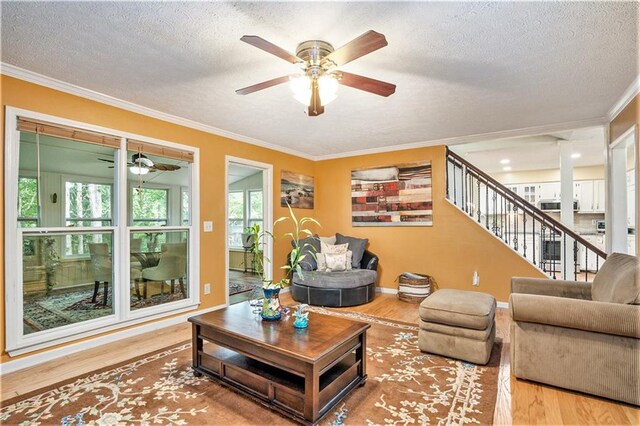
(613, 228)
(267, 206)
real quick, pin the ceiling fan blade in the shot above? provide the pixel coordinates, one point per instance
(315, 106)
(165, 167)
(104, 159)
(360, 46)
(269, 47)
(263, 85)
(367, 84)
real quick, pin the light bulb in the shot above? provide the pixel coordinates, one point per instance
(301, 88)
(138, 170)
(328, 89)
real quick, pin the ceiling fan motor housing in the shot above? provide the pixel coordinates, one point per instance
(312, 52)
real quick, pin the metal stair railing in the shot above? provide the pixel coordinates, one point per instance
(547, 243)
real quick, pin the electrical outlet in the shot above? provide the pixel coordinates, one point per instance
(207, 288)
(208, 226)
(476, 279)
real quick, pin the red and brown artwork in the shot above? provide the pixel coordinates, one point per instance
(398, 195)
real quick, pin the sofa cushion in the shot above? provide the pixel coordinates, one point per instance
(310, 246)
(459, 308)
(329, 240)
(618, 281)
(342, 279)
(356, 245)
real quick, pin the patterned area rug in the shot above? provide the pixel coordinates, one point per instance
(405, 387)
(56, 310)
(239, 282)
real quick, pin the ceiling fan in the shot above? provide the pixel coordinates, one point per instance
(317, 85)
(140, 164)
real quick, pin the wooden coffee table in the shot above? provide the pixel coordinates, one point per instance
(302, 374)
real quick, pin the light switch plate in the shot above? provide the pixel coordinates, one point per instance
(208, 226)
(207, 288)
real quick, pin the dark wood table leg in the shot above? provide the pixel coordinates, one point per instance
(361, 355)
(196, 345)
(311, 393)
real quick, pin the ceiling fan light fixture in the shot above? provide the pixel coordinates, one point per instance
(301, 88)
(139, 170)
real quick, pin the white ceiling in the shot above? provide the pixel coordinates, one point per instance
(461, 68)
(540, 152)
(237, 172)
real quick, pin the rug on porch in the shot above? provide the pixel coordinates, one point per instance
(239, 281)
(404, 387)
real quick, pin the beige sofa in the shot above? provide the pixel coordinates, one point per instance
(580, 336)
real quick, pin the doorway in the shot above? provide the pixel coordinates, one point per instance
(624, 192)
(249, 189)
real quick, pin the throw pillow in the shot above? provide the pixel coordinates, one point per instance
(310, 246)
(328, 248)
(356, 245)
(329, 240)
(336, 261)
(322, 263)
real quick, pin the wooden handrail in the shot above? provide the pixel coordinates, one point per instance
(524, 204)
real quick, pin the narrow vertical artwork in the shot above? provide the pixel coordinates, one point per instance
(297, 190)
(398, 195)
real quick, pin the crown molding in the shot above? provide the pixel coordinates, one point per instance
(627, 96)
(52, 83)
(502, 134)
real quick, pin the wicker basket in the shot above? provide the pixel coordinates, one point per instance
(416, 288)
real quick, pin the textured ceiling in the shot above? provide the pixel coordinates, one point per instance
(461, 68)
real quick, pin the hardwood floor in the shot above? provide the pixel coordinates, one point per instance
(519, 402)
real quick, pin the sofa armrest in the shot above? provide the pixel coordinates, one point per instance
(369, 261)
(548, 287)
(587, 315)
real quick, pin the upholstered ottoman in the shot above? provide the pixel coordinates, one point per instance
(458, 324)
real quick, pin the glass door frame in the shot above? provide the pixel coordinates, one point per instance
(16, 342)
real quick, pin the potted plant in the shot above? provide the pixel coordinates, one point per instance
(271, 305)
(51, 262)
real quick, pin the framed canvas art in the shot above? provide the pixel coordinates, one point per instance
(297, 190)
(398, 195)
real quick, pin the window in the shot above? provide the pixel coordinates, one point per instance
(27, 202)
(64, 197)
(236, 218)
(255, 208)
(86, 205)
(184, 212)
(150, 206)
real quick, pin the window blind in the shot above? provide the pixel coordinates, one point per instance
(151, 149)
(65, 132)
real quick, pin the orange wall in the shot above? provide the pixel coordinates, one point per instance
(450, 250)
(628, 117)
(20, 94)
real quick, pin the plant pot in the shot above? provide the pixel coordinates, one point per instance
(271, 309)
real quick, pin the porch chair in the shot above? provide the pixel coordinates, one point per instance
(101, 269)
(171, 267)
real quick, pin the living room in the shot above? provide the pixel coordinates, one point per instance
(148, 89)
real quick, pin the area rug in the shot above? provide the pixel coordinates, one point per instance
(240, 282)
(59, 309)
(405, 387)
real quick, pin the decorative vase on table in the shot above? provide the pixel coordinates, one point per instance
(271, 309)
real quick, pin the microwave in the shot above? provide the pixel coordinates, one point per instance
(554, 205)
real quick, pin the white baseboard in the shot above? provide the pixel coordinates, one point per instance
(504, 305)
(31, 360)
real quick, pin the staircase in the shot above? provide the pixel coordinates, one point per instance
(542, 240)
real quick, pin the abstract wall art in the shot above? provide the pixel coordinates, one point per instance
(398, 195)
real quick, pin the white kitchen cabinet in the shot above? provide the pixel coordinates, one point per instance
(548, 191)
(590, 195)
(599, 196)
(588, 260)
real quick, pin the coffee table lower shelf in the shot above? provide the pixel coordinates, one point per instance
(276, 388)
